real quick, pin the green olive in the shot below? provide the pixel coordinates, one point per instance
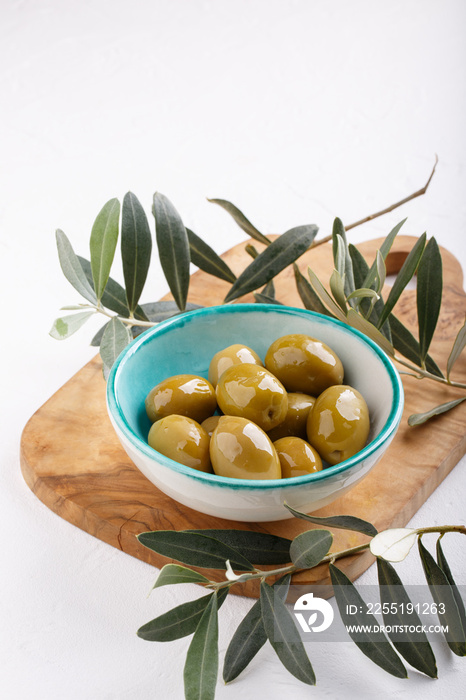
(209, 424)
(297, 457)
(295, 421)
(241, 450)
(183, 440)
(232, 355)
(304, 364)
(184, 395)
(252, 392)
(338, 425)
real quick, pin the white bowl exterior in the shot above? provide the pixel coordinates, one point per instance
(258, 327)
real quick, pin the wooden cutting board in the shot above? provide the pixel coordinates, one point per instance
(73, 462)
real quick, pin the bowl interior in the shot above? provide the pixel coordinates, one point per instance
(185, 345)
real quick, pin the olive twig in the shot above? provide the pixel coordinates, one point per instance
(420, 373)
(387, 210)
(442, 529)
(328, 559)
(129, 321)
(291, 569)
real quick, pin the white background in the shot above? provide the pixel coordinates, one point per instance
(297, 111)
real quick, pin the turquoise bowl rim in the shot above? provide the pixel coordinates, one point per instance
(114, 408)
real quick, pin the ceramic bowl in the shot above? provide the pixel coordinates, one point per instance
(185, 344)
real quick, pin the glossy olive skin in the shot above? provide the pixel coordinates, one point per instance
(297, 457)
(209, 424)
(338, 425)
(239, 449)
(184, 395)
(183, 440)
(295, 421)
(252, 392)
(232, 355)
(304, 364)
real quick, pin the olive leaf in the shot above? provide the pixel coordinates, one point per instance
(428, 294)
(310, 299)
(337, 287)
(406, 344)
(264, 299)
(355, 320)
(174, 573)
(194, 549)
(405, 274)
(250, 635)
(381, 271)
(341, 255)
(325, 296)
(67, 325)
(363, 293)
(97, 338)
(201, 666)
(284, 636)
(342, 522)
(157, 311)
(413, 647)
(282, 252)
(374, 644)
(247, 641)
(173, 247)
(419, 418)
(385, 248)
(269, 289)
(180, 621)
(309, 548)
(136, 248)
(338, 254)
(338, 238)
(72, 268)
(374, 300)
(115, 338)
(394, 544)
(443, 564)
(241, 220)
(257, 547)
(206, 259)
(104, 236)
(359, 265)
(447, 609)
(457, 349)
(251, 250)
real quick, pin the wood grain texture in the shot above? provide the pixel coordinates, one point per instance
(73, 462)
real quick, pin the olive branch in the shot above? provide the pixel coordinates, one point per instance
(240, 553)
(355, 287)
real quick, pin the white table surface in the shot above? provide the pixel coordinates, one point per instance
(297, 111)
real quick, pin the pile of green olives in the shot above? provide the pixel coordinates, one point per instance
(287, 416)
